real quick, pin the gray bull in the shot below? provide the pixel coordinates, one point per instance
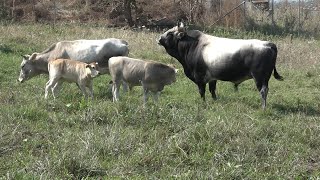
(80, 50)
(206, 59)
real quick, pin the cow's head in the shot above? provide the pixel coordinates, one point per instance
(28, 69)
(91, 69)
(169, 38)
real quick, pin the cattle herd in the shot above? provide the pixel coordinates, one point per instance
(204, 58)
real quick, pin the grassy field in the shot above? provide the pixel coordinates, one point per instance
(180, 137)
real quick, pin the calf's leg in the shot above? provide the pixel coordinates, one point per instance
(83, 89)
(115, 91)
(90, 89)
(145, 93)
(49, 85)
(56, 88)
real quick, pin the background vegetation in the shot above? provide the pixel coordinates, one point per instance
(180, 137)
(283, 18)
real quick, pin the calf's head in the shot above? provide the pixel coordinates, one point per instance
(91, 69)
(28, 67)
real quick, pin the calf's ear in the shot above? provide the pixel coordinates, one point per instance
(33, 56)
(26, 57)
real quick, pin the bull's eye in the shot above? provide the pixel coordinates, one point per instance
(22, 66)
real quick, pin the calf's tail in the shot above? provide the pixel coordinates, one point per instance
(275, 73)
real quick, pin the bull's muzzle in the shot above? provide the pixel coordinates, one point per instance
(20, 80)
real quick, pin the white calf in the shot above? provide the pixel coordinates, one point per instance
(152, 76)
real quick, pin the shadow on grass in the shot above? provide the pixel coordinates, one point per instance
(5, 49)
(300, 108)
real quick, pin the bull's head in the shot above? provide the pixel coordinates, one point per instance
(91, 69)
(27, 67)
(169, 38)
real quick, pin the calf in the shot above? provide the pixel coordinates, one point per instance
(152, 76)
(71, 71)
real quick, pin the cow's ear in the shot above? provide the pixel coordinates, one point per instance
(176, 70)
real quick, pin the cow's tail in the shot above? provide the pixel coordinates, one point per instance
(275, 73)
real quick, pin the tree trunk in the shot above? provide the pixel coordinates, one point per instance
(127, 11)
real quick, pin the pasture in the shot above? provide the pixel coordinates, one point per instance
(180, 137)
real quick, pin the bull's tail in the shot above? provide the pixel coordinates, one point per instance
(275, 73)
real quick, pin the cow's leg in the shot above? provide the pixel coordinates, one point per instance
(202, 90)
(156, 96)
(212, 89)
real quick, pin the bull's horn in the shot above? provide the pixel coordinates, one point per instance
(181, 27)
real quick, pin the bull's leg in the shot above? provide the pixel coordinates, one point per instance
(202, 90)
(212, 89)
(236, 87)
(262, 86)
(264, 92)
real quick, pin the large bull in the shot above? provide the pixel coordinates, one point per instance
(80, 50)
(206, 59)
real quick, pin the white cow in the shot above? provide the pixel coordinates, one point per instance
(152, 76)
(71, 71)
(80, 50)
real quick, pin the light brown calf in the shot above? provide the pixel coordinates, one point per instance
(61, 70)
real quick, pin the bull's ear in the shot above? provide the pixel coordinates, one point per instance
(181, 34)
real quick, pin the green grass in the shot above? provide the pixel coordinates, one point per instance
(180, 137)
